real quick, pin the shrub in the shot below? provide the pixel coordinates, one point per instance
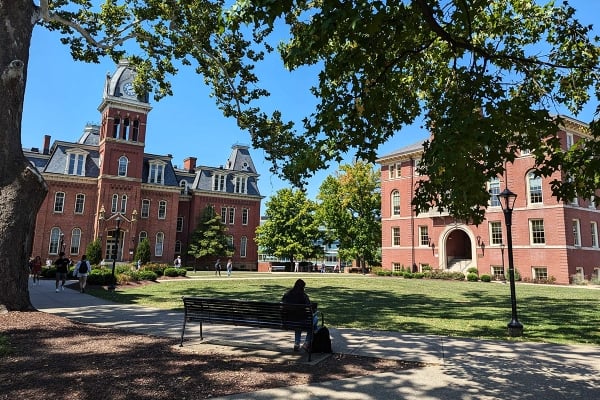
(171, 272)
(408, 275)
(94, 252)
(146, 275)
(99, 277)
(418, 275)
(158, 269)
(472, 270)
(472, 277)
(486, 278)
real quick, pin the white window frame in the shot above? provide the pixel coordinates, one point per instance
(245, 214)
(423, 236)
(219, 182)
(494, 190)
(570, 140)
(124, 204)
(535, 193)
(159, 245)
(395, 202)
(145, 211)
(162, 209)
(495, 229)
(54, 243)
(243, 246)
(143, 235)
(123, 164)
(76, 162)
(75, 241)
(114, 204)
(79, 203)
(178, 247)
(59, 202)
(594, 233)
(156, 172)
(576, 233)
(534, 236)
(539, 272)
(241, 184)
(395, 236)
(231, 219)
(223, 215)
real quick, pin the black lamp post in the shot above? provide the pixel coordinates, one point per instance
(502, 254)
(62, 242)
(111, 287)
(507, 202)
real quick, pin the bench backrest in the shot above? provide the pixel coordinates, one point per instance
(249, 313)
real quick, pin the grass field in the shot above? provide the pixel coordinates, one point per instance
(558, 314)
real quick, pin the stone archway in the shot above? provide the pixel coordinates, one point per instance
(458, 248)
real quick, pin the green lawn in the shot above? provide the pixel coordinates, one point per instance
(556, 314)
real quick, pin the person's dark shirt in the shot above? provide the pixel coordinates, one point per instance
(62, 265)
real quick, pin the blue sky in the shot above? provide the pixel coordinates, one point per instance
(62, 96)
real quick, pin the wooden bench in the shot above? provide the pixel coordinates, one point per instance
(259, 314)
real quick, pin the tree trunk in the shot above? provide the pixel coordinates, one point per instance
(22, 188)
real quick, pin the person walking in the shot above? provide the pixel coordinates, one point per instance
(296, 266)
(218, 267)
(296, 295)
(83, 269)
(62, 268)
(229, 267)
(36, 269)
(177, 262)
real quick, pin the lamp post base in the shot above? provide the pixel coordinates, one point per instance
(515, 329)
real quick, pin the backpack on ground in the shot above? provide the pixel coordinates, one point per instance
(322, 341)
(83, 267)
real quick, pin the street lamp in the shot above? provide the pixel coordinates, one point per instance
(111, 287)
(502, 254)
(507, 202)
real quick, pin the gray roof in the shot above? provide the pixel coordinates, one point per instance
(410, 149)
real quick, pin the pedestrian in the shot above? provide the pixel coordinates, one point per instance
(296, 266)
(229, 267)
(83, 269)
(322, 268)
(36, 269)
(139, 264)
(62, 268)
(218, 267)
(296, 295)
(177, 262)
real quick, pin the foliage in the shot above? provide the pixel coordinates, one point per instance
(472, 277)
(158, 269)
(473, 72)
(210, 238)
(173, 272)
(94, 251)
(143, 251)
(290, 230)
(350, 209)
(99, 277)
(473, 270)
(485, 278)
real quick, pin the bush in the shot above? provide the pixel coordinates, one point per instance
(99, 277)
(472, 277)
(408, 275)
(158, 269)
(418, 275)
(486, 278)
(172, 272)
(145, 275)
(472, 270)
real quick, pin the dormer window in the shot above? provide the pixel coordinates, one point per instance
(157, 172)
(219, 182)
(76, 162)
(241, 184)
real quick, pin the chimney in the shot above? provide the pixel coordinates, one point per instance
(46, 144)
(190, 164)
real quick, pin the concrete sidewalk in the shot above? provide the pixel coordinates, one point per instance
(459, 368)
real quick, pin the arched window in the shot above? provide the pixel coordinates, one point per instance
(158, 247)
(54, 241)
(184, 186)
(124, 204)
(123, 162)
(75, 240)
(143, 235)
(243, 246)
(534, 185)
(395, 202)
(114, 203)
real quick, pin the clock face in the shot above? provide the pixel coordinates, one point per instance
(128, 89)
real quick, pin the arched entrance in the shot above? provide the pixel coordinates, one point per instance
(458, 251)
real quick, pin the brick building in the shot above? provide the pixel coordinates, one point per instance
(105, 186)
(551, 240)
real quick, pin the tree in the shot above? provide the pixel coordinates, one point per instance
(210, 238)
(290, 230)
(485, 77)
(350, 208)
(142, 253)
(94, 252)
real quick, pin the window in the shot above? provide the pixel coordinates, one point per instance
(136, 130)
(114, 203)
(576, 233)
(79, 203)
(535, 188)
(158, 247)
(184, 186)
(145, 212)
(54, 241)
(178, 247)
(116, 127)
(592, 203)
(143, 236)
(395, 202)
(397, 267)
(223, 215)
(240, 184)
(124, 204)
(244, 216)
(495, 232)
(230, 241)
(537, 231)
(59, 202)
(570, 140)
(498, 272)
(231, 215)
(594, 232)
(525, 152)
(423, 236)
(395, 236)
(75, 240)
(219, 182)
(123, 162)
(243, 246)
(76, 164)
(494, 185)
(416, 163)
(157, 173)
(392, 171)
(162, 209)
(539, 273)
(179, 227)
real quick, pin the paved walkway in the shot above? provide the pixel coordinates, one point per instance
(459, 368)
